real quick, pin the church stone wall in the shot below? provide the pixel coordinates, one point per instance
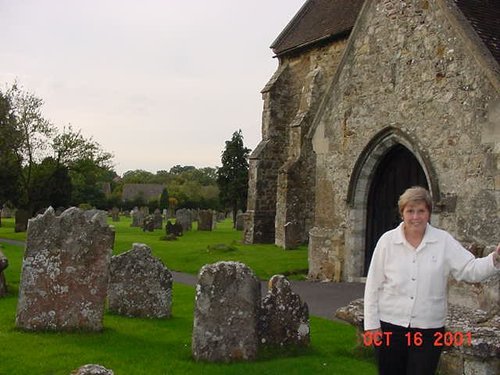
(281, 197)
(408, 68)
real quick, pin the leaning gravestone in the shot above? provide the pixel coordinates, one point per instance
(284, 318)
(139, 284)
(205, 219)
(226, 313)
(4, 263)
(65, 271)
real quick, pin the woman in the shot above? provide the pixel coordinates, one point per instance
(405, 301)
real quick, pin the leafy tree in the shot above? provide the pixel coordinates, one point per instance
(32, 134)
(164, 199)
(10, 166)
(88, 164)
(232, 176)
(53, 185)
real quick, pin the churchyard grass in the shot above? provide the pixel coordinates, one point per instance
(196, 248)
(142, 346)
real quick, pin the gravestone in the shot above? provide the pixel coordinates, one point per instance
(139, 285)
(115, 214)
(184, 218)
(173, 229)
(6, 212)
(4, 263)
(205, 219)
(226, 313)
(240, 221)
(214, 220)
(148, 224)
(137, 217)
(283, 318)
(158, 219)
(22, 217)
(65, 271)
(92, 369)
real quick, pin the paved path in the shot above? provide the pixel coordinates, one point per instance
(322, 298)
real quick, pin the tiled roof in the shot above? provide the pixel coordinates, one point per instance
(484, 16)
(322, 19)
(147, 191)
(315, 21)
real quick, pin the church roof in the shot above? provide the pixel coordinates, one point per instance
(484, 17)
(146, 191)
(319, 20)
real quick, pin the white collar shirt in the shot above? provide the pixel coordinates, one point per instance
(407, 286)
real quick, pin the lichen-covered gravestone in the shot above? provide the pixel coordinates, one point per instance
(284, 318)
(140, 285)
(4, 263)
(226, 313)
(92, 369)
(65, 271)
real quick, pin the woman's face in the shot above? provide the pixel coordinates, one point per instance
(416, 216)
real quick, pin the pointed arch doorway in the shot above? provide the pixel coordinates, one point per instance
(397, 170)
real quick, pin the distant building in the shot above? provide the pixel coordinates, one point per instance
(145, 191)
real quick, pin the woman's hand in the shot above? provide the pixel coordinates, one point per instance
(496, 257)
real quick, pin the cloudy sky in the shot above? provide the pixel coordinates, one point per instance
(155, 82)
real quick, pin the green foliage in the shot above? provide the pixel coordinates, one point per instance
(191, 187)
(164, 199)
(10, 163)
(52, 185)
(29, 177)
(232, 176)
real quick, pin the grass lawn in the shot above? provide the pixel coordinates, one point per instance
(142, 346)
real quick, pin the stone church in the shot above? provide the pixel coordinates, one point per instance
(369, 98)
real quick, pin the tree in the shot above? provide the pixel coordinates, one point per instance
(232, 176)
(32, 132)
(10, 167)
(164, 199)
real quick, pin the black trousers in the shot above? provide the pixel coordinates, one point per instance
(410, 351)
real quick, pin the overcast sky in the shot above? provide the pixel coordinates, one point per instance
(155, 82)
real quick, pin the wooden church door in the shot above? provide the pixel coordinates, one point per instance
(398, 170)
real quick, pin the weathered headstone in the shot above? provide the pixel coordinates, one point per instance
(22, 217)
(205, 220)
(214, 220)
(226, 313)
(65, 272)
(284, 318)
(4, 263)
(6, 211)
(240, 221)
(173, 229)
(157, 219)
(115, 214)
(148, 224)
(137, 217)
(92, 370)
(183, 217)
(139, 284)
